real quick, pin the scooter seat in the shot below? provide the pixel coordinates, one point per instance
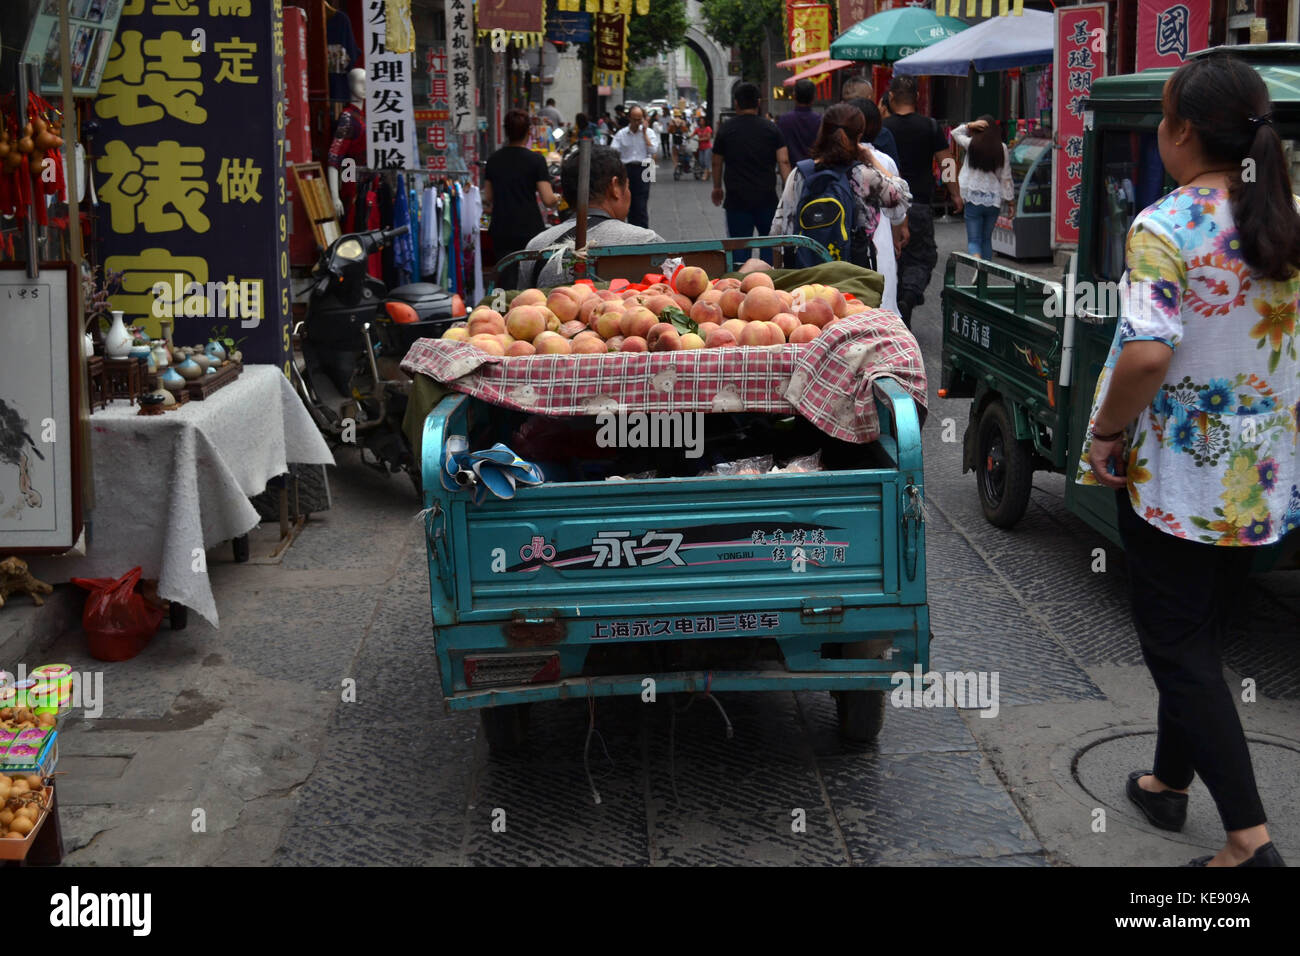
(428, 300)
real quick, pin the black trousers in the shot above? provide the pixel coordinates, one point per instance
(639, 214)
(1181, 592)
(919, 256)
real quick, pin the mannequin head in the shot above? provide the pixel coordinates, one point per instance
(357, 85)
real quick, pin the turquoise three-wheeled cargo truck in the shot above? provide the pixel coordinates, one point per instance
(583, 587)
(1028, 351)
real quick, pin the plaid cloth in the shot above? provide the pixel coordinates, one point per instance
(828, 381)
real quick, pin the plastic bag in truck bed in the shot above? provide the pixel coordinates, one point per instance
(828, 381)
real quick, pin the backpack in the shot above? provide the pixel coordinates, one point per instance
(826, 213)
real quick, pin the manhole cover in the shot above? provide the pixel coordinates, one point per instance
(1104, 767)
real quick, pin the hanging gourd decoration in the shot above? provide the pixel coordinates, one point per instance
(25, 143)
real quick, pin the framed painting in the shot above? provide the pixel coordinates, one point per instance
(40, 384)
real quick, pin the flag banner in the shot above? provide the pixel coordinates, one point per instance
(522, 21)
(1079, 60)
(1167, 33)
(611, 49)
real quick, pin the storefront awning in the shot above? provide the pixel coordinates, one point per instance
(806, 58)
(830, 66)
(997, 44)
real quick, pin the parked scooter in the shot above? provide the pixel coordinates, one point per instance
(353, 337)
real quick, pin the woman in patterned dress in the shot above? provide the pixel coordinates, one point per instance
(1195, 425)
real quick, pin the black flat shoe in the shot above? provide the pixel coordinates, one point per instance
(1266, 855)
(1166, 810)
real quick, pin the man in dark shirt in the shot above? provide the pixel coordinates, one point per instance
(856, 88)
(799, 127)
(920, 143)
(747, 153)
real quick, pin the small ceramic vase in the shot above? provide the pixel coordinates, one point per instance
(160, 357)
(117, 343)
(211, 370)
(201, 359)
(168, 399)
(88, 345)
(189, 369)
(217, 351)
(171, 380)
(166, 326)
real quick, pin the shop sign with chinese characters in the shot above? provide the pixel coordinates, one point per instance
(1080, 58)
(808, 28)
(610, 49)
(1169, 32)
(460, 45)
(191, 179)
(390, 119)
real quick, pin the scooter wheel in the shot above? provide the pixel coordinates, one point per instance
(677, 175)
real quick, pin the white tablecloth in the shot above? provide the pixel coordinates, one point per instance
(167, 485)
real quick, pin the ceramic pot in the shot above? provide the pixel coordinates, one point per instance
(166, 397)
(171, 380)
(117, 343)
(88, 345)
(217, 351)
(166, 326)
(211, 370)
(201, 359)
(160, 357)
(189, 369)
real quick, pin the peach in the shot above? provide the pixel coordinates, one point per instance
(692, 341)
(589, 307)
(710, 295)
(506, 339)
(805, 333)
(657, 303)
(816, 312)
(606, 294)
(486, 322)
(707, 327)
(735, 327)
(683, 302)
(526, 322)
(521, 348)
(552, 343)
(786, 322)
(692, 281)
(775, 336)
(637, 321)
(529, 297)
(706, 312)
(589, 344)
(564, 303)
(719, 338)
(754, 264)
(760, 304)
(486, 310)
(658, 288)
(614, 343)
(570, 329)
(756, 279)
(755, 334)
(828, 294)
(633, 343)
(608, 324)
(722, 285)
(663, 337)
(581, 291)
(487, 343)
(787, 299)
(457, 333)
(730, 302)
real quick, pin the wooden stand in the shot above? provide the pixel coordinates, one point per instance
(125, 378)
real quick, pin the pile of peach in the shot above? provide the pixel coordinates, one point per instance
(580, 320)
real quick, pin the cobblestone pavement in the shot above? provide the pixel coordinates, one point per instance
(247, 726)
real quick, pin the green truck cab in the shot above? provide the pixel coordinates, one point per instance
(1024, 350)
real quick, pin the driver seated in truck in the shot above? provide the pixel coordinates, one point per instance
(609, 199)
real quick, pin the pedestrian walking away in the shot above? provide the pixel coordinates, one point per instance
(920, 143)
(704, 133)
(985, 181)
(858, 88)
(799, 126)
(513, 180)
(748, 155)
(637, 145)
(836, 198)
(888, 236)
(1181, 428)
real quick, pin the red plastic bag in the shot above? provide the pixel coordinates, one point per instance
(118, 621)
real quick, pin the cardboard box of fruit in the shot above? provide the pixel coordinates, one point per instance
(25, 802)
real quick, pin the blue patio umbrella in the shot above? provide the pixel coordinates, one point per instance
(996, 44)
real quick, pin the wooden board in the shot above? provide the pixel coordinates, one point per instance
(205, 385)
(312, 187)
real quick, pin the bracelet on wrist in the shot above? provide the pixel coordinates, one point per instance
(1114, 436)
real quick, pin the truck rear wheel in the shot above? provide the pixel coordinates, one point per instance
(861, 714)
(1004, 468)
(506, 727)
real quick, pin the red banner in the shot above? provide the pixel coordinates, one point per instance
(513, 16)
(610, 43)
(852, 12)
(1168, 32)
(1080, 57)
(808, 28)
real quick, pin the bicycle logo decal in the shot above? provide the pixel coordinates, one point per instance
(537, 550)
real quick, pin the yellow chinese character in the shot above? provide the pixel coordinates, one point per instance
(236, 61)
(141, 273)
(168, 79)
(175, 8)
(228, 8)
(159, 187)
(239, 180)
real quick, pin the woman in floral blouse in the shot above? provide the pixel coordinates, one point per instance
(1195, 420)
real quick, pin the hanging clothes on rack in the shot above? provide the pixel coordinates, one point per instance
(471, 223)
(430, 226)
(413, 220)
(403, 248)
